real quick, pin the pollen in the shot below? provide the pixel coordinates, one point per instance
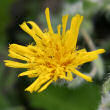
(54, 55)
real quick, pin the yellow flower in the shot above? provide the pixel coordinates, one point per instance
(54, 56)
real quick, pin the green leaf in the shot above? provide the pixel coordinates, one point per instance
(4, 103)
(106, 87)
(85, 97)
(15, 108)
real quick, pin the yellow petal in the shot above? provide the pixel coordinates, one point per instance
(33, 75)
(69, 75)
(74, 28)
(59, 29)
(36, 84)
(21, 50)
(99, 51)
(64, 23)
(30, 72)
(63, 76)
(84, 57)
(88, 78)
(48, 20)
(31, 32)
(17, 56)
(45, 86)
(32, 86)
(42, 80)
(14, 64)
(36, 28)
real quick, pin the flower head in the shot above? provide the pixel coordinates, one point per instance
(54, 56)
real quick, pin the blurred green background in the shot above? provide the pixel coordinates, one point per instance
(94, 34)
